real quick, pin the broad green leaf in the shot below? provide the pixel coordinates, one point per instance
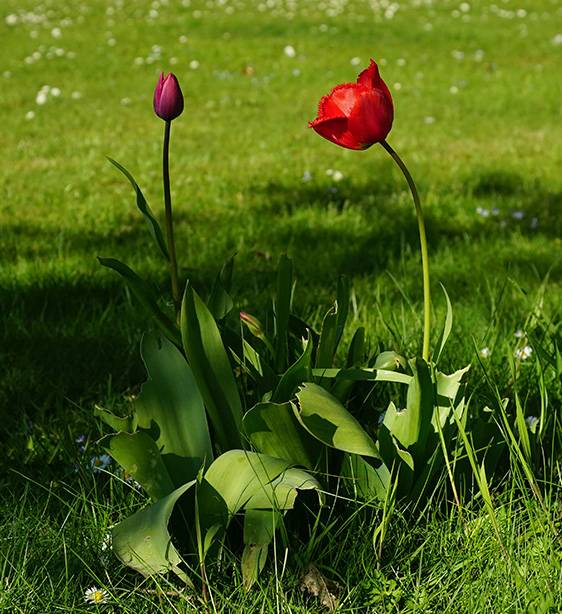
(411, 425)
(325, 418)
(146, 297)
(143, 542)
(295, 375)
(273, 430)
(117, 423)
(237, 475)
(140, 457)
(447, 387)
(360, 375)
(281, 492)
(212, 370)
(327, 343)
(259, 528)
(282, 310)
(447, 326)
(153, 225)
(220, 302)
(364, 480)
(356, 351)
(170, 403)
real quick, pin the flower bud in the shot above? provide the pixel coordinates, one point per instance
(168, 99)
(253, 324)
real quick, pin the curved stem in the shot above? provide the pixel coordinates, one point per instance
(423, 249)
(169, 219)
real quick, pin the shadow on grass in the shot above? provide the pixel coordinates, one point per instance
(64, 340)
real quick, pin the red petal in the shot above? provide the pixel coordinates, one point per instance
(370, 77)
(336, 131)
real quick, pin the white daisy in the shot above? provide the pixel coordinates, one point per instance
(96, 596)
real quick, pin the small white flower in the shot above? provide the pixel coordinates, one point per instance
(30, 115)
(397, 86)
(454, 89)
(306, 177)
(401, 62)
(485, 352)
(329, 172)
(55, 91)
(355, 61)
(183, 39)
(556, 40)
(194, 65)
(7, 74)
(464, 7)
(76, 95)
(337, 176)
(41, 98)
(429, 119)
(95, 596)
(56, 32)
(524, 352)
(101, 462)
(289, 51)
(11, 20)
(518, 215)
(483, 212)
(519, 334)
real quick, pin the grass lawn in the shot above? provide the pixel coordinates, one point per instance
(477, 118)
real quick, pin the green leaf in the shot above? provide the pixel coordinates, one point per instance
(295, 375)
(259, 528)
(170, 403)
(273, 430)
(140, 457)
(220, 302)
(146, 297)
(237, 475)
(325, 418)
(448, 325)
(390, 361)
(411, 425)
(117, 423)
(342, 308)
(363, 375)
(356, 351)
(143, 542)
(366, 481)
(208, 359)
(153, 225)
(327, 343)
(282, 310)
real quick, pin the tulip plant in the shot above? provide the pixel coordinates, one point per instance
(236, 418)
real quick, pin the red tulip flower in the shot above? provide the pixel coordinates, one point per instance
(168, 99)
(356, 115)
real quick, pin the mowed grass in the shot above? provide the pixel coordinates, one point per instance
(477, 117)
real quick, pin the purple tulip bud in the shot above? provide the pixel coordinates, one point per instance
(168, 99)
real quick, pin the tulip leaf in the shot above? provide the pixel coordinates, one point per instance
(237, 475)
(282, 310)
(327, 343)
(325, 418)
(295, 375)
(259, 528)
(410, 426)
(171, 404)
(153, 225)
(273, 430)
(143, 542)
(356, 348)
(213, 373)
(359, 375)
(220, 302)
(342, 308)
(146, 297)
(448, 325)
(139, 455)
(117, 423)
(366, 481)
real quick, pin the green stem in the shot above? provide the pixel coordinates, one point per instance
(169, 219)
(423, 249)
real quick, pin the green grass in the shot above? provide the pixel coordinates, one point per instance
(70, 331)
